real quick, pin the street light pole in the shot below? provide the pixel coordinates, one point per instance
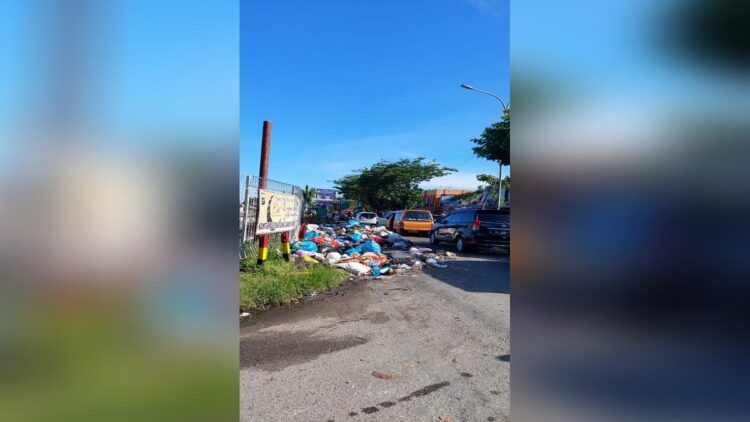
(505, 108)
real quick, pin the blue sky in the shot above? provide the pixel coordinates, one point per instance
(347, 83)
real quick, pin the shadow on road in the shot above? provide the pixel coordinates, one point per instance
(480, 276)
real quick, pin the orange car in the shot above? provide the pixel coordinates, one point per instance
(410, 221)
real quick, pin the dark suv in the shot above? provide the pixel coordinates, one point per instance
(474, 228)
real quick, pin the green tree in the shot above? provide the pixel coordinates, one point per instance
(390, 185)
(487, 179)
(494, 144)
(309, 195)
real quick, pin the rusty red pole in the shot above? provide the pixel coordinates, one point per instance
(265, 153)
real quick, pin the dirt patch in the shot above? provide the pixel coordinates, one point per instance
(277, 350)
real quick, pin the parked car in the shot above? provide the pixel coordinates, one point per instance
(437, 217)
(474, 229)
(383, 220)
(366, 218)
(403, 221)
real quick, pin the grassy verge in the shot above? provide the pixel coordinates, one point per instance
(277, 282)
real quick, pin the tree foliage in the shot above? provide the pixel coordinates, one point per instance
(309, 195)
(494, 144)
(487, 179)
(390, 185)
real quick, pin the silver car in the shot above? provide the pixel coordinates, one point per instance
(382, 221)
(366, 218)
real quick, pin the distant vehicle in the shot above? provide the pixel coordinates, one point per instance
(366, 218)
(410, 221)
(474, 229)
(382, 221)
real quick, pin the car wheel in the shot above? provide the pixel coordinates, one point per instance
(460, 244)
(433, 240)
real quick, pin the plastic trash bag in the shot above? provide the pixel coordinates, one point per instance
(401, 245)
(356, 249)
(308, 246)
(370, 246)
(378, 239)
(354, 268)
(329, 231)
(333, 257)
(310, 234)
(395, 237)
(304, 253)
(435, 263)
(355, 237)
(310, 260)
(325, 248)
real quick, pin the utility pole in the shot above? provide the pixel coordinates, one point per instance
(265, 153)
(500, 173)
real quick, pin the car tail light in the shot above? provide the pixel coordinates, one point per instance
(475, 225)
(401, 224)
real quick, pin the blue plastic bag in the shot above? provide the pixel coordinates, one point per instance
(308, 246)
(370, 246)
(310, 235)
(355, 237)
(354, 250)
(352, 223)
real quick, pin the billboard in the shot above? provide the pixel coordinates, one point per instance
(277, 212)
(328, 194)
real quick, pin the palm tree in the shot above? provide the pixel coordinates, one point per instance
(309, 194)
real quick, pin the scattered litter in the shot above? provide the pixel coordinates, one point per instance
(409, 365)
(455, 360)
(354, 268)
(307, 245)
(333, 256)
(382, 375)
(364, 251)
(434, 263)
(245, 314)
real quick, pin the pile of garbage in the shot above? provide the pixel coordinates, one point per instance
(360, 250)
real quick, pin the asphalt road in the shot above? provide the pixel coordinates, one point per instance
(441, 336)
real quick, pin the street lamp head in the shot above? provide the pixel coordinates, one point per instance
(466, 86)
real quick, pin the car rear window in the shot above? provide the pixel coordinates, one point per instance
(494, 216)
(418, 216)
(368, 215)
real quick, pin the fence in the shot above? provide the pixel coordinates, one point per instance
(249, 194)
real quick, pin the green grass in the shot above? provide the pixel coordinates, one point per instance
(277, 282)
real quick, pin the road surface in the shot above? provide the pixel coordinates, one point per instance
(440, 338)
